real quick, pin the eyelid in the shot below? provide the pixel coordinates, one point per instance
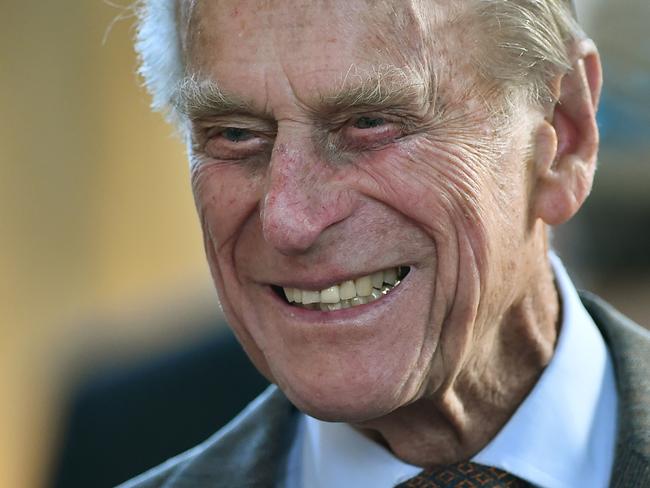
(208, 135)
(392, 115)
(382, 119)
(212, 125)
(210, 141)
(215, 131)
(389, 120)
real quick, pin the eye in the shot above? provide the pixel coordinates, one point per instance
(371, 132)
(234, 134)
(369, 122)
(232, 143)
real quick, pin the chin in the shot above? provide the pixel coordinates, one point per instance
(337, 399)
(332, 409)
(351, 364)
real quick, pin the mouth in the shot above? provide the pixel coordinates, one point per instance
(347, 294)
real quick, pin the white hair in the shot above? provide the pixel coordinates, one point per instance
(528, 46)
(158, 46)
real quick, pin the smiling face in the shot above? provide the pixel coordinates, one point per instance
(334, 143)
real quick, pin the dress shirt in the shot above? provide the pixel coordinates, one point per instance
(561, 436)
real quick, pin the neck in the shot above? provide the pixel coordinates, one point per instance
(456, 422)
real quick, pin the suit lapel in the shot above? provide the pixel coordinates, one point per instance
(629, 345)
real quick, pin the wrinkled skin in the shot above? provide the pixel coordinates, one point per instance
(307, 196)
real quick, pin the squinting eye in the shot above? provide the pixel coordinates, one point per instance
(232, 143)
(371, 132)
(234, 134)
(369, 122)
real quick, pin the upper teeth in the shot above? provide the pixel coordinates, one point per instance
(347, 294)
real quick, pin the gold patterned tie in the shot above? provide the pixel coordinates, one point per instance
(464, 475)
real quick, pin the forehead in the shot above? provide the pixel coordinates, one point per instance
(294, 18)
(229, 31)
(321, 31)
(367, 27)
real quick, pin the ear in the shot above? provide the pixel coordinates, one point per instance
(566, 144)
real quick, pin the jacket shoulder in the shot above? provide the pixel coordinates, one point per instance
(629, 345)
(248, 451)
(159, 476)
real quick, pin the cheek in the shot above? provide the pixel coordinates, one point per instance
(225, 197)
(450, 194)
(443, 189)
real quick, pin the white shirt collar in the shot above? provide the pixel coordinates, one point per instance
(562, 435)
(334, 454)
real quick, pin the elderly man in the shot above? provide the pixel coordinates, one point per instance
(375, 181)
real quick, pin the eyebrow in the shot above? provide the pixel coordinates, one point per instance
(377, 88)
(381, 87)
(201, 98)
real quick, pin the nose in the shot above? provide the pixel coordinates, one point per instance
(303, 198)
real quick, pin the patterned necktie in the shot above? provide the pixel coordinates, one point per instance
(464, 475)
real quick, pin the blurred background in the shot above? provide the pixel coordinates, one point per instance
(101, 258)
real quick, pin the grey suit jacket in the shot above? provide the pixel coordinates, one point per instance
(252, 450)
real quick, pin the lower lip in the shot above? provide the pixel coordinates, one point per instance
(346, 314)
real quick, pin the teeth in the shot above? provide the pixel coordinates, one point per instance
(310, 297)
(359, 301)
(363, 286)
(377, 279)
(348, 294)
(390, 276)
(347, 290)
(297, 295)
(288, 292)
(330, 295)
(376, 294)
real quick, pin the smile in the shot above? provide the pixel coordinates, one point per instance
(350, 293)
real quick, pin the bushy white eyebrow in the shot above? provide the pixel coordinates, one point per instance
(376, 88)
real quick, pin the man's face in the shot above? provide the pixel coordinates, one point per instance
(354, 141)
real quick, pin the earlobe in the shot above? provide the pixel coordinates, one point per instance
(561, 191)
(566, 145)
